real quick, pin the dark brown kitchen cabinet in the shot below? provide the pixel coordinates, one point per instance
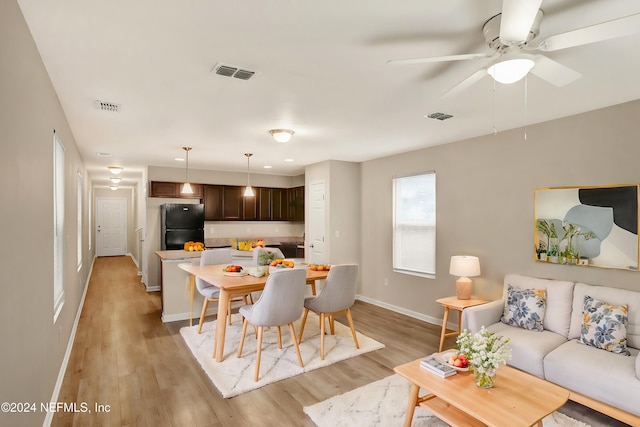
(264, 203)
(279, 204)
(295, 204)
(232, 203)
(250, 205)
(213, 202)
(172, 190)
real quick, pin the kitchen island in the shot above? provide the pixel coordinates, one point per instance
(176, 298)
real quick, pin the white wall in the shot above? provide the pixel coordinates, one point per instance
(485, 203)
(33, 347)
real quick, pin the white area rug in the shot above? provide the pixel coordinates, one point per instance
(234, 376)
(383, 403)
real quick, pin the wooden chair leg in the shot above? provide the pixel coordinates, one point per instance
(304, 320)
(244, 332)
(295, 343)
(321, 336)
(259, 354)
(279, 338)
(204, 310)
(353, 329)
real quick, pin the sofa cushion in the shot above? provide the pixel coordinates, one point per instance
(524, 308)
(601, 375)
(559, 299)
(604, 326)
(528, 348)
(613, 296)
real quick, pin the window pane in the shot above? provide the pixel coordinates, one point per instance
(414, 224)
(58, 227)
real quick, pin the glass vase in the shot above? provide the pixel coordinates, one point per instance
(484, 380)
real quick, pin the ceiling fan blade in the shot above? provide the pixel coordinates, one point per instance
(553, 72)
(466, 83)
(517, 19)
(607, 30)
(438, 59)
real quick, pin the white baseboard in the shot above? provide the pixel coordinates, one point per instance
(414, 314)
(152, 288)
(65, 361)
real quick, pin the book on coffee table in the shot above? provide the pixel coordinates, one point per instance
(433, 365)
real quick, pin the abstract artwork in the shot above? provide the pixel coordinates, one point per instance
(594, 226)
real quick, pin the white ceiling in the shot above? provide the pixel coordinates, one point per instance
(322, 72)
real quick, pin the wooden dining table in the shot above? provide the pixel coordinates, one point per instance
(231, 286)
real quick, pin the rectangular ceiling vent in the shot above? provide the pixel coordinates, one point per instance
(235, 71)
(108, 106)
(439, 116)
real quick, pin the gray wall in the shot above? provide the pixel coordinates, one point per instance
(33, 346)
(485, 192)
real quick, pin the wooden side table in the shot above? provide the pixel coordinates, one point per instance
(454, 303)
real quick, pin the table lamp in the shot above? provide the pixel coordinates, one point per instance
(464, 266)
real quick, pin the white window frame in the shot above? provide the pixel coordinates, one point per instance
(58, 226)
(414, 224)
(79, 220)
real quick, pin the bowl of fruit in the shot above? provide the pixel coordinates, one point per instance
(234, 271)
(279, 263)
(458, 361)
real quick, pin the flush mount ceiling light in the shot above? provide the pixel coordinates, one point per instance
(248, 192)
(186, 188)
(115, 169)
(281, 135)
(115, 179)
(511, 68)
(113, 187)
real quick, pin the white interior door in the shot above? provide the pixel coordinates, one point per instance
(111, 227)
(317, 214)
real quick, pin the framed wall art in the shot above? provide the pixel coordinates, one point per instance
(593, 226)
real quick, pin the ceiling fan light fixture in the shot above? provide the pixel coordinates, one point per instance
(511, 69)
(281, 135)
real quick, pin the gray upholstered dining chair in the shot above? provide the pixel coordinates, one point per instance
(336, 297)
(210, 292)
(280, 303)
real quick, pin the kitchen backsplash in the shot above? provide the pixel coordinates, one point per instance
(214, 231)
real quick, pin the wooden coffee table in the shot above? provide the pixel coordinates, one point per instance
(516, 399)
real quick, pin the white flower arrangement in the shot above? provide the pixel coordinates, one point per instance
(485, 350)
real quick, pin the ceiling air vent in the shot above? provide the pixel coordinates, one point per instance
(227, 70)
(439, 116)
(107, 106)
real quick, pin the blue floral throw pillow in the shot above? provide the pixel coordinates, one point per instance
(604, 326)
(525, 308)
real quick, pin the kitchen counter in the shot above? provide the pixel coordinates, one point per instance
(178, 254)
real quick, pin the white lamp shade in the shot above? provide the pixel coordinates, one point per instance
(186, 188)
(281, 135)
(248, 192)
(510, 70)
(115, 169)
(464, 266)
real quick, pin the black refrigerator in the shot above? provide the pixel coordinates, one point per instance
(181, 223)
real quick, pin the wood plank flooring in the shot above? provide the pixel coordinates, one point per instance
(125, 357)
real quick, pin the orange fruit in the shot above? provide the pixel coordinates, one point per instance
(320, 268)
(327, 267)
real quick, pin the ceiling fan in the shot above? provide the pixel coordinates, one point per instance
(509, 35)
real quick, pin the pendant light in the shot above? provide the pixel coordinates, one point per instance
(248, 192)
(186, 188)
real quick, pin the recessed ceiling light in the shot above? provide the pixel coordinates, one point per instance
(179, 159)
(288, 160)
(267, 166)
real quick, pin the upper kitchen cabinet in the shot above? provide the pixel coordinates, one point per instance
(295, 204)
(279, 210)
(232, 205)
(265, 202)
(250, 205)
(172, 189)
(213, 202)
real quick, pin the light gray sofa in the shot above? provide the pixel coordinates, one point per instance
(605, 381)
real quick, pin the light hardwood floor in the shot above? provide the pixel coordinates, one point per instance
(125, 357)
